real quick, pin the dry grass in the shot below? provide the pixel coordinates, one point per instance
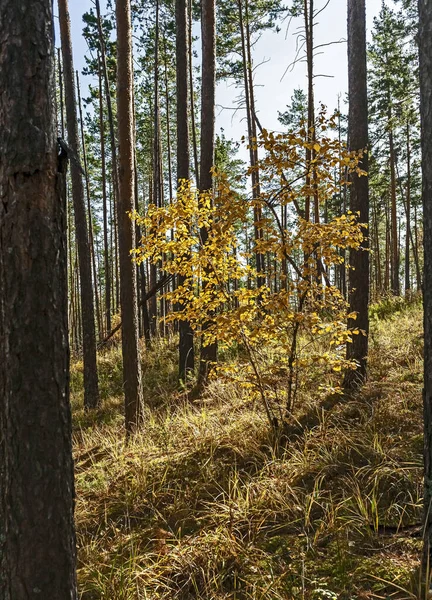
(203, 505)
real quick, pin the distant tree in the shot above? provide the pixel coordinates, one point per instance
(296, 112)
(91, 390)
(37, 540)
(392, 67)
(359, 192)
(425, 55)
(126, 231)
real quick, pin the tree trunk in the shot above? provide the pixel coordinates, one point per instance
(107, 266)
(308, 17)
(192, 99)
(387, 249)
(395, 285)
(186, 348)
(253, 153)
(37, 539)
(408, 214)
(115, 185)
(425, 55)
(377, 253)
(89, 212)
(156, 168)
(91, 391)
(359, 190)
(126, 231)
(168, 126)
(208, 89)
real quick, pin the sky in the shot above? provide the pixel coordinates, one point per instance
(274, 53)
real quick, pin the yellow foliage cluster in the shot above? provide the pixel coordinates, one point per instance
(290, 318)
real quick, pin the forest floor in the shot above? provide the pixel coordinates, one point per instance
(201, 505)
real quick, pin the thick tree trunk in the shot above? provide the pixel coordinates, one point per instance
(425, 54)
(208, 41)
(91, 391)
(359, 190)
(37, 540)
(126, 231)
(186, 347)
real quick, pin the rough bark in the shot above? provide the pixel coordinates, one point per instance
(359, 190)
(37, 540)
(91, 390)
(208, 41)
(425, 56)
(186, 347)
(126, 230)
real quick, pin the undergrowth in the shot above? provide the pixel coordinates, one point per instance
(202, 504)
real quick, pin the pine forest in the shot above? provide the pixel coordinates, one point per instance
(215, 299)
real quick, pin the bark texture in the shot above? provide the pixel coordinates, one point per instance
(91, 390)
(359, 190)
(186, 347)
(37, 540)
(425, 55)
(126, 230)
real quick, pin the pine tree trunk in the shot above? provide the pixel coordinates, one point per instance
(208, 90)
(91, 390)
(419, 281)
(387, 249)
(89, 213)
(395, 285)
(408, 215)
(168, 126)
(126, 231)
(107, 266)
(308, 17)
(425, 54)
(186, 347)
(37, 540)
(378, 285)
(192, 99)
(359, 190)
(156, 169)
(250, 114)
(114, 169)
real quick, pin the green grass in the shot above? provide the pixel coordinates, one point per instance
(202, 505)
